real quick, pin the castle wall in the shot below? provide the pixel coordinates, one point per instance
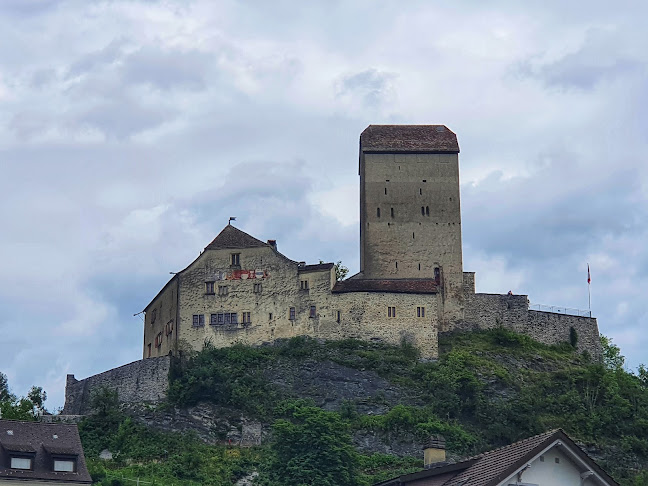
(144, 381)
(488, 311)
(160, 331)
(411, 220)
(286, 285)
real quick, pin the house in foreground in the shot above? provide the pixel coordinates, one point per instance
(41, 454)
(549, 459)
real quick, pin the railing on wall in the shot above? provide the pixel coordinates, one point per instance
(561, 310)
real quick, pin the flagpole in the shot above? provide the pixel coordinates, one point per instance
(589, 294)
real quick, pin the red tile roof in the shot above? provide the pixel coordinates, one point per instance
(402, 286)
(408, 138)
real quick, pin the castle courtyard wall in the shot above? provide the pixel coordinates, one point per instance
(144, 381)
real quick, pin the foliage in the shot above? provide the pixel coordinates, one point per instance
(573, 337)
(21, 408)
(310, 446)
(340, 271)
(487, 389)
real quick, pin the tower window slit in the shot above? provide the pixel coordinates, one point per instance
(427, 210)
(422, 211)
(419, 267)
(420, 191)
(396, 264)
(385, 190)
(378, 212)
(412, 235)
(392, 212)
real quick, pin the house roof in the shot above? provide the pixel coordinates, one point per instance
(316, 267)
(493, 467)
(408, 138)
(232, 237)
(42, 442)
(402, 286)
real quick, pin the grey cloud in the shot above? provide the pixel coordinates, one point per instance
(167, 69)
(599, 59)
(372, 86)
(111, 53)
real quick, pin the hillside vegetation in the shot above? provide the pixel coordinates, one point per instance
(486, 390)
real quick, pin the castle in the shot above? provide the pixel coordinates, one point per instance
(411, 285)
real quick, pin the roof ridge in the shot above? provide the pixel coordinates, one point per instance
(549, 433)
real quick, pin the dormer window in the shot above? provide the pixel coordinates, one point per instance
(64, 465)
(21, 462)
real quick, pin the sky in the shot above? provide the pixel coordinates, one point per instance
(130, 131)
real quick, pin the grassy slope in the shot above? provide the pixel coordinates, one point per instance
(487, 389)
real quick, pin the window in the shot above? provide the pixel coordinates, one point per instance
(153, 315)
(392, 212)
(213, 319)
(236, 259)
(378, 212)
(222, 290)
(420, 312)
(246, 318)
(149, 350)
(427, 210)
(270, 316)
(233, 318)
(64, 465)
(422, 211)
(209, 288)
(420, 191)
(385, 191)
(21, 462)
(158, 340)
(292, 313)
(303, 284)
(198, 320)
(391, 311)
(313, 312)
(338, 315)
(226, 317)
(258, 288)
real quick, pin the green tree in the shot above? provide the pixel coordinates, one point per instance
(340, 271)
(612, 357)
(311, 447)
(4, 388)
(15, 408)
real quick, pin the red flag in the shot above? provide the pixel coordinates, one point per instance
(589, 279)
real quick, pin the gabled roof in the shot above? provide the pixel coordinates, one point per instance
(232, 237)
(42, 442)
(493, 467)
(396, 285)
(408, 138)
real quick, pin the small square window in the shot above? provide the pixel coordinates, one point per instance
(420, 312)
(209, 287)
(313, 311)
(303, 284)
(198, 320)
(234, 318)
(292, 313)
(391, 311)
(246, 318)
(220, 318)
(222, 290)
(213, 319)
(258, 288)
(236, 259)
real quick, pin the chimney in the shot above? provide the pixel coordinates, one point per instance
(273, 244)
(434, 451)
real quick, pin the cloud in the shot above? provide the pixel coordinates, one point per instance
(373, 87)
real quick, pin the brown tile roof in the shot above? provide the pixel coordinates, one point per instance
(234, 238)
(493, 467)
(408, 138)
(38, 439)
(316, 267)
(401, 286)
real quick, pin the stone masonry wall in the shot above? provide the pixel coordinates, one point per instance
(144, 381)
(487, 311)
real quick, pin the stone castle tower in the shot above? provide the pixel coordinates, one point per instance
(410, 218)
